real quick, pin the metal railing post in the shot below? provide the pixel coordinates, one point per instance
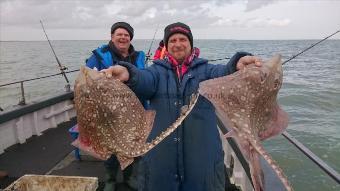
(22, 101)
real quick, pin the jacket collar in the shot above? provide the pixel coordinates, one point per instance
(193, 59)
(114, 50)
(166, 64)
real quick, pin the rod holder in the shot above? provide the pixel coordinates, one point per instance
(67, 88)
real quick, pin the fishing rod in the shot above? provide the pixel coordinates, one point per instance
(148, 54)
(311, 46)
(61, 68)
(296, 55)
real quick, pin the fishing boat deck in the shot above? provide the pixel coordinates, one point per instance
(52, 153)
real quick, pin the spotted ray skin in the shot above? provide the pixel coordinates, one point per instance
(246, 103)
(112, 120)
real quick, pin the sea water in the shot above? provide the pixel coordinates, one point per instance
(310, 93)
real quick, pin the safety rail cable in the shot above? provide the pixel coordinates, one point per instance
(37, 78)
(66, 72)
(76, 70)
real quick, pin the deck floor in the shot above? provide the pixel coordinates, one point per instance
(50, 153)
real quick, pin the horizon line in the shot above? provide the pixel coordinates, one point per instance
(161, 39)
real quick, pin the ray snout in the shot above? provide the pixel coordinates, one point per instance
(275, 62)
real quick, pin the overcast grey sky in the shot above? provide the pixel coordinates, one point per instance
(219, 19)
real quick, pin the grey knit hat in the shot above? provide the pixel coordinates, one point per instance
(123, 25)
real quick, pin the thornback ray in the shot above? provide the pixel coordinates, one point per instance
(112, 120)
(246, 102)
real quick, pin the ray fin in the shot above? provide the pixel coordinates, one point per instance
(88, 149)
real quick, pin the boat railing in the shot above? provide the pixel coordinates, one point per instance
(63, 72)
(21, 82)
(318, 161)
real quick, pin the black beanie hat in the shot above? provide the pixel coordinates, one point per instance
(177, 28)
(123, 25)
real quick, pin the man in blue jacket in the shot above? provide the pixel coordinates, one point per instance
(118, 49)
(191, 158)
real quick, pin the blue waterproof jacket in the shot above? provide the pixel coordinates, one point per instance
(191, 158)
(103, 59)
